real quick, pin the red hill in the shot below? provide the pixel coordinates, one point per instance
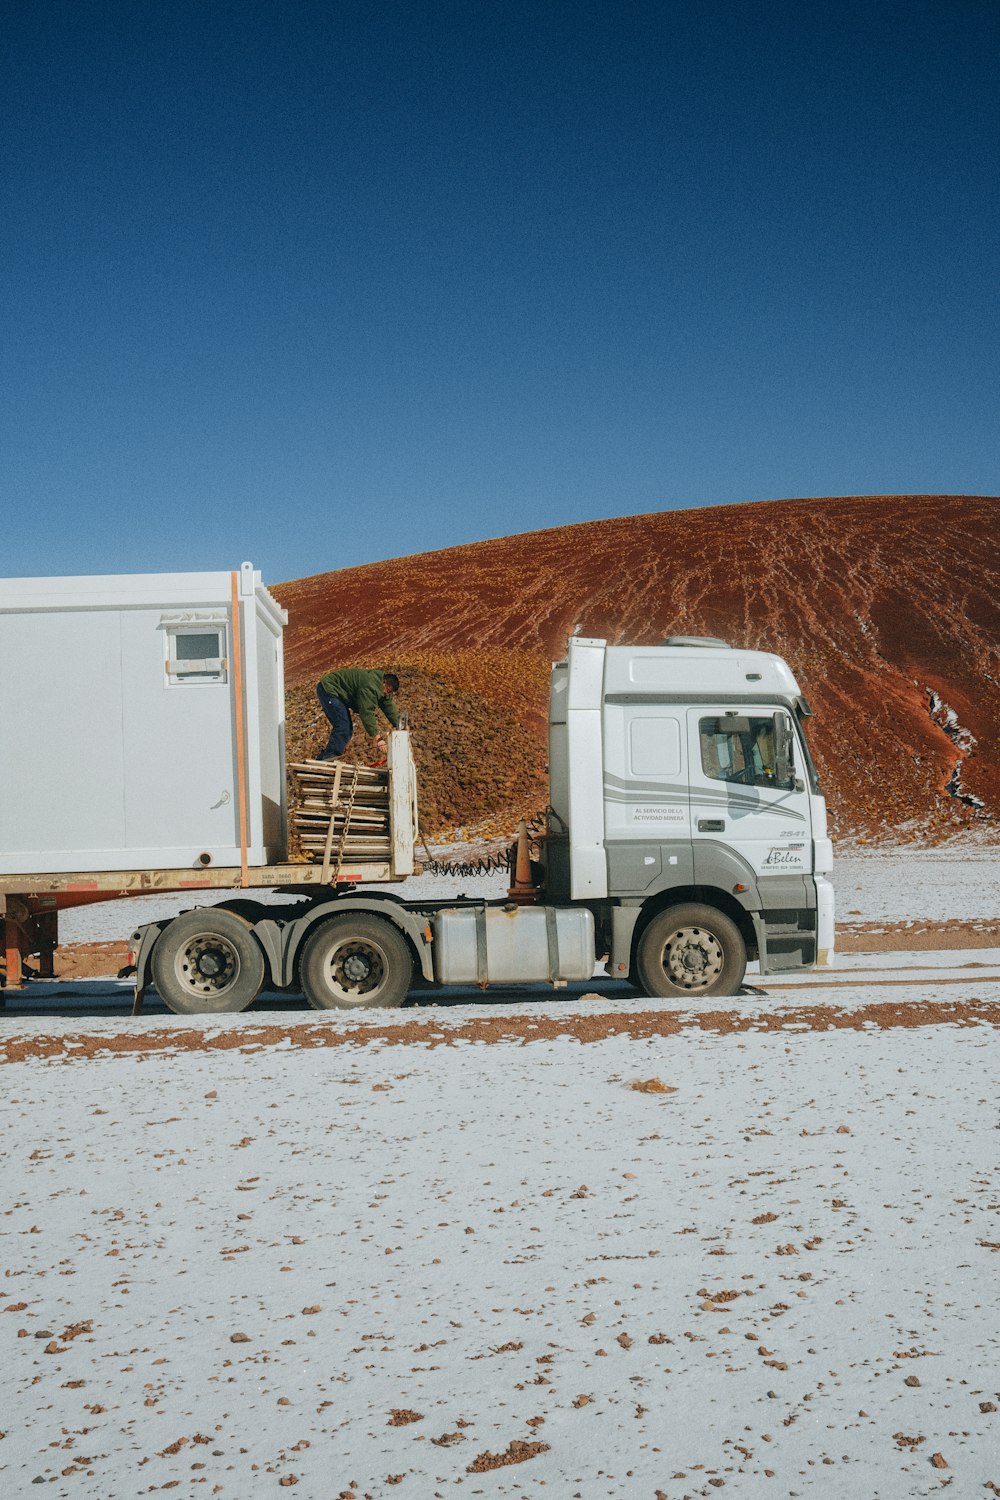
(878, 602)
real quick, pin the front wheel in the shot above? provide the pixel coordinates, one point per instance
(355, 960)
(691, 950)
(207, 961)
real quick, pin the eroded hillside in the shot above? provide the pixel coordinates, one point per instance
(886, 607)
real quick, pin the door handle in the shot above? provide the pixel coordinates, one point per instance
(711, 825)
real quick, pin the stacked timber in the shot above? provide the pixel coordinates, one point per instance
(341, 812)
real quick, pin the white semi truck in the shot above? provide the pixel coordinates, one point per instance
(686, 832)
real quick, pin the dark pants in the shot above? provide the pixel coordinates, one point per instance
(340, 719)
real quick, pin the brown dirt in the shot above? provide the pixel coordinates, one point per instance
(873, 600)
(89, 960)
(638, 1025)
(516, 1452)
(918, 937)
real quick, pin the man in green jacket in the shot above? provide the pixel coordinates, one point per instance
(355, 688)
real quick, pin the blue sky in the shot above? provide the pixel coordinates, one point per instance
(317, 284)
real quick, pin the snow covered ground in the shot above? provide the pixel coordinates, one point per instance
(343, 1267)
(460, 1249)
(959, 880)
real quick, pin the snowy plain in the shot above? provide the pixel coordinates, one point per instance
(420, 1261)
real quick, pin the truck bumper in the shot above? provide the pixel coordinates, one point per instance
(825, 925)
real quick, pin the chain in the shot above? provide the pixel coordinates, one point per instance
(500, 860)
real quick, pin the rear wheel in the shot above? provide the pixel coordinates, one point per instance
(207, 961)
(354, 961)
(691, 950)
(250, 911)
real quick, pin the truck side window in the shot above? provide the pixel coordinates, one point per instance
(745, 750)
(654, 746)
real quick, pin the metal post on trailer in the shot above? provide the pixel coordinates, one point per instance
(46, 925)
(241, 755)
(14, 915)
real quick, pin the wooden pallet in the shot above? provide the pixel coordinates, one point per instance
(341, 813)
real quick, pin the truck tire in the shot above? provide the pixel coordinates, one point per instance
(207, 961)
(249, 911)
(354, 961)
(690, 950)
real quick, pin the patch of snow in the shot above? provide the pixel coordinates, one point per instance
(947, 719)
(783, 1267)
(956, 881)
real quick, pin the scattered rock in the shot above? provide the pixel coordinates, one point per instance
(516, 1452)
(400, 1416)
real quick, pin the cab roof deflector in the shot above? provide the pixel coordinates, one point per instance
(695, 640)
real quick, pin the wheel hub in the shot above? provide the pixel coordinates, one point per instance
(208, 965)
(693, 958)
(357, 968)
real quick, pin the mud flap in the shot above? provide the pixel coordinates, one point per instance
(143, 942)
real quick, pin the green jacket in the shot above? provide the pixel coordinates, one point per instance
(362, 691)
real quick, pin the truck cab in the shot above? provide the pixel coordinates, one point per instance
(682, 792)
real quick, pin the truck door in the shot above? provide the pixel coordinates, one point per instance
(646, 808)
(749, 803)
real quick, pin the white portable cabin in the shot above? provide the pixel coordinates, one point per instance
(141, 722)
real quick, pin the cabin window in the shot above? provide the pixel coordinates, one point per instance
(196, 654)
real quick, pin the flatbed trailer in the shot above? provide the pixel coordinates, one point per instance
(30, 904)
(30, 901)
